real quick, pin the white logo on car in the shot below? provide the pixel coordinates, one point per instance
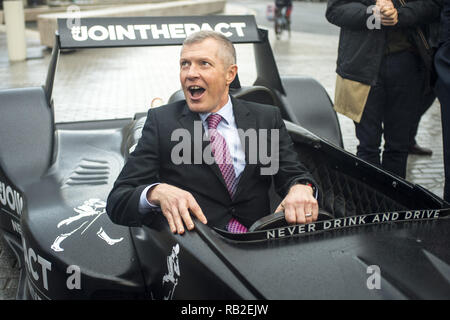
(173, 272)
(87, 214)
(152, 31)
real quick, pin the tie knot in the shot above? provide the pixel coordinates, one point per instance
(213, 120)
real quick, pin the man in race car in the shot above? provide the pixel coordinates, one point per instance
(280, 4)
(232, 191)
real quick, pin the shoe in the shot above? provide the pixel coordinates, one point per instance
(416, 149)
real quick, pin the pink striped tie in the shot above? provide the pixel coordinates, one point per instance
(223, 160)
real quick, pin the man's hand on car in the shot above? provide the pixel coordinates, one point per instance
(176, 205)
(299, 205)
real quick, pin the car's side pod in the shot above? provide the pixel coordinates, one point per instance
(27, 134)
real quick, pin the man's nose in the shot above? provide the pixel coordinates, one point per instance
(192, 71)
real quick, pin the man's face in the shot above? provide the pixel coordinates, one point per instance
(204, 76)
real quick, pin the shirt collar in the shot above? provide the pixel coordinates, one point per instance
(226, 112)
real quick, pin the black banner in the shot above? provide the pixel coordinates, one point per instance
(151, 31)
(334, 224)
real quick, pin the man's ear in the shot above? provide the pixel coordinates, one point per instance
(231, 73)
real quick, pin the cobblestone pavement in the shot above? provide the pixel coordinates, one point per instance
(9, 273)
(116, 83)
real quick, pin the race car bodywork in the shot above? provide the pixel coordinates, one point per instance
(379, 237)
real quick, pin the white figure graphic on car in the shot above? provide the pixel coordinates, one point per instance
(173, 271)
(89, 211)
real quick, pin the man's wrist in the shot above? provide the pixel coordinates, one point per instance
(315, 192)
(311, 186)
(145, 205)
(303, 185)
(151, 195)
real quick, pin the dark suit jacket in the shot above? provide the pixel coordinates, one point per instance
(151, 162)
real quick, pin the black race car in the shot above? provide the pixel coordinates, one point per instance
(378, 236)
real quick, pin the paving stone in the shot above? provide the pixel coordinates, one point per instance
(8, 294)
(3, 282)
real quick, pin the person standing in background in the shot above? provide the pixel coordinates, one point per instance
(381, 74)
(429, 95)
(280, 4)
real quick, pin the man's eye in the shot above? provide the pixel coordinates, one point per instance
(205, 63)
(184, 63)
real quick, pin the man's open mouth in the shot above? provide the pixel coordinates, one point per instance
(196, 91)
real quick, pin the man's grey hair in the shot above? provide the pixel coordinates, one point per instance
(228, 55)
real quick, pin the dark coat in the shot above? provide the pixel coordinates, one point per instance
(151, 162)
(361, 49)
(445, 23)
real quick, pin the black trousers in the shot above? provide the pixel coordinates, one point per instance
(443, 93)
(444, 98)
(390, 112)
(427, 102)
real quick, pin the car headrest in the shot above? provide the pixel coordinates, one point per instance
(258, 94)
